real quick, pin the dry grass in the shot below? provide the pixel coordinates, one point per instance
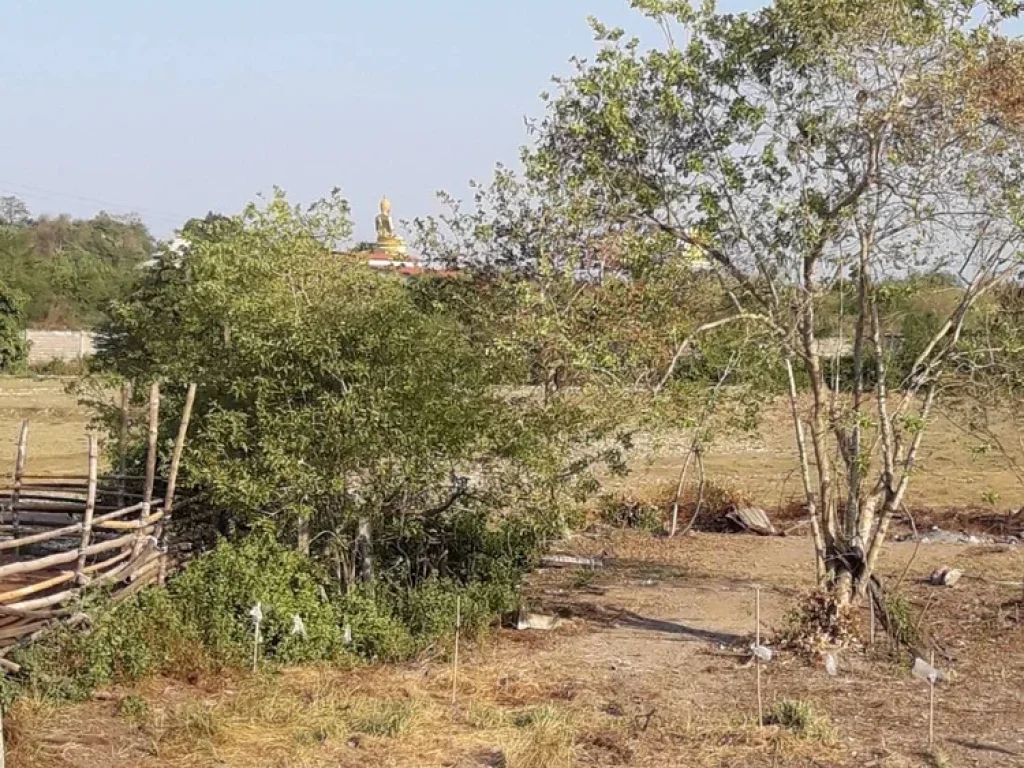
(57, 436)
(636, 678)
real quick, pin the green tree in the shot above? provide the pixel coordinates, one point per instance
(12, 340)
(809, 145)
(13, 211)
(68, 269)
(331, 407)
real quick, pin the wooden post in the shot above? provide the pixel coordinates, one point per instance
(179, 446)
(931, 703)
(19, 472)
(172, 477)
(455, 661)
(90, 508)
(871, 607)
(122, 443)
(757, 660)
(147, 489)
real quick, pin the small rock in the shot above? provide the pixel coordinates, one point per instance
(537, 621)
(945, 577)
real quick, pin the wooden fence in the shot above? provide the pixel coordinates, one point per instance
(63, 536)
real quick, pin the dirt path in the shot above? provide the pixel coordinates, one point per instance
(640, 675)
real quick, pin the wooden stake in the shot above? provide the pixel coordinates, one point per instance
(931, 704)
(154, 419)
(122, 443)
(256, 647)
(172, 477)
(19, 472)
(757, 661)
(455, 662)
(871, 607)
(179, 446)
(90, 508)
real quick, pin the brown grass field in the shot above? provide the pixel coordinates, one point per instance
(642, 673)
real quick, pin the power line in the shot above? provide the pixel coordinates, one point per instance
(52, 195)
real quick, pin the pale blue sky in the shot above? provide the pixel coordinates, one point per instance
(172, 109)
(175, 108)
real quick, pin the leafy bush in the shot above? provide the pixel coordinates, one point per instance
(631, 512)
(216, 593)
(12, 344)
(203, 620)
(143, 636)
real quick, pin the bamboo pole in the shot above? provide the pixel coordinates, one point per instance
(455, 661)
(19, 471)
(83, 478)
(122, 442)
(757, 660)
(20, 630)
(7, 610)
(39, 586)
(90, 508)
(931, 703)
(56, 533)
(121, 541)
(108, 563)
(179, 446)
(45, 602)
(154, 419)
(119, 513)
(39, 564)
(172, 478)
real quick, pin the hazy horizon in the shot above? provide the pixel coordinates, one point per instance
(172, 111)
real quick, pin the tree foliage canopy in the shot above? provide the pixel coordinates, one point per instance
(800, 149)
(329, 396)
(69, 270)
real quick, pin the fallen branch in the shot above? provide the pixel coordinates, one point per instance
(984, 746)
(570, 561)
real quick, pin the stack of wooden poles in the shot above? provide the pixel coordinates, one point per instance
(64, 536)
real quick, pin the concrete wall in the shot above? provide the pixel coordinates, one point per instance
(44, 346)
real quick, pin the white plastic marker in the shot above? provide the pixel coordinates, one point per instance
(257, 618)
(298, 627)
(925, 670)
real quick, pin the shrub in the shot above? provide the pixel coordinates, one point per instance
(143, 636)
(203, 619)
(801, 718)
(631, 512)
(216, 593)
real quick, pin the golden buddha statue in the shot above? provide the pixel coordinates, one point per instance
(387, 241)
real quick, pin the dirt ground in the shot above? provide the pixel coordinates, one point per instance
(57, 426)
(643, 672)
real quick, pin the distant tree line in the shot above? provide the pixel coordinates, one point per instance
(64, 272)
